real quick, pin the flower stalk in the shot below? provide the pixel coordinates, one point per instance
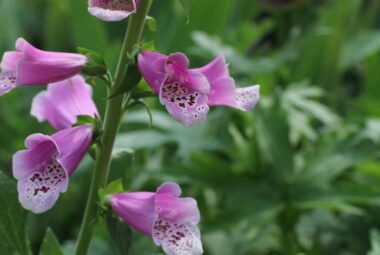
(112, 119)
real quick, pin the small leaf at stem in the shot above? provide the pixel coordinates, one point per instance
(50, 245)
(120, 234)
(95, 65)
(151, 23)
(112, 188)
(185, 5)
(147, 46)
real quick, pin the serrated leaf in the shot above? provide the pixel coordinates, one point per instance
(12, 220)
(185, 5)
(120, 234)
(50, 245)
(132, 79)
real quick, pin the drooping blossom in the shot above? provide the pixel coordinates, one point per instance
(171, 221)
(28, 65)
(112, 10)
(188, 93)
(42, 170)
(63, 101)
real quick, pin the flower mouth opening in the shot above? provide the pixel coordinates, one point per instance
(115, 5)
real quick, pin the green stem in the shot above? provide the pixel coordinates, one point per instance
(112, 119)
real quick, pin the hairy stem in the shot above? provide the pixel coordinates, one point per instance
(111, 127)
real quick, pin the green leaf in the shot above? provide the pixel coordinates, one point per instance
(359, 48)
(12, 220)
(120, 234)
(84, 119)
(132, 79)
(151, 23)
(50, 245)
(147, 46)
(112, 188)
(375, 242)
(185, 5)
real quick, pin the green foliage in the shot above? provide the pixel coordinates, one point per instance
(13, 220)
(50, 245)
(300, 174)
(120, 234)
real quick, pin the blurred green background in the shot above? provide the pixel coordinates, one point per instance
(300, 174)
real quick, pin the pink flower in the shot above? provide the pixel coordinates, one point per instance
(188, 93)
(42, 170)
(63, 101)
(112, 10)
(30, 66)
(171, 221)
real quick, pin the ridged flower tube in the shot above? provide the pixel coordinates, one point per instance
(189, 93)
(171, 221)
(112, 10)
(28, 65)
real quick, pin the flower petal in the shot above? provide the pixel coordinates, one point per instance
(152, 67)
(7, 82)
(185, 105)
(215, 70)
(171, 188)
(136, 209)
(111, 10)
(177, 239)
(73, 144)
(247, 98)
(9, 61)
(63, 102)
(222, 93)
(41, 177)
(177, 69)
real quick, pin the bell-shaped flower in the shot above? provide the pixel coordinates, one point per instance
(188, 93)
(63, 101)
(31, 66)
(42, 170)
(171, 221)
(112, 10)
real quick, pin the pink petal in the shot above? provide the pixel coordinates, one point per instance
(177, 239)
(63, 102)
(111, 10)
(41, 177)
(136, 209)
(185, 105)
(247, 98)
(152, 67)
(10, 60)
(7, 82)
(214, 71)
(222, 92)
(73, 144)
(170, 207)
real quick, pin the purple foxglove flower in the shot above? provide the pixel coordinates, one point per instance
(171, 221)
(63, 101)
(30, 66)
(43, 169)
(112, 10)
(188, 93)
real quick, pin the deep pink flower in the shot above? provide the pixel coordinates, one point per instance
(112, 10)
(63, 101)
(171, 221)
(43, 169)
(188, 93)
(30, 66)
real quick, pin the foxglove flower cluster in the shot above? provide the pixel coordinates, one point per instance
(43, 169)
(188, 93)
(28, 65)
(112, 10)
(170, 221)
